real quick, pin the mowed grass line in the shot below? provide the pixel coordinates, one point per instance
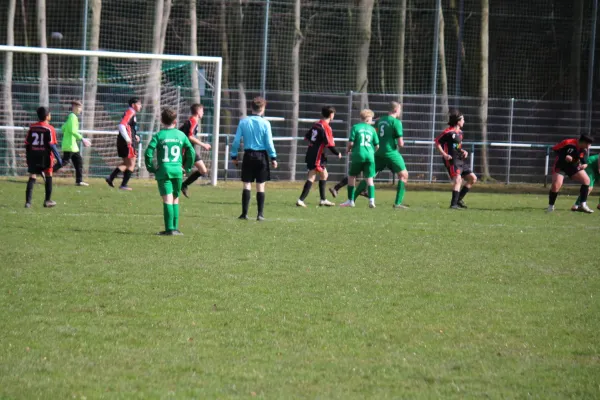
(496, 301)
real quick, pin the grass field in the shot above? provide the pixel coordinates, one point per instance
(497, 301)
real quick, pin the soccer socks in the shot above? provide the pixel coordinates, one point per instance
(463, 193)
(306, 190)
(260, 199)
(455, 195)
(29, 191)
(552, 197)
(351, 191)
(192, 178)
(176, 216)
(114, 174)
(341, 184)
(48, 188)
(168, 217)
(322, 188)
(371, 191)
(245, 201)
(361, 187)
(583, 193)
(126, 176)
(400, 192)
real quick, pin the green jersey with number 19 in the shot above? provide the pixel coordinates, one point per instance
(389, 130)
(170, 145)
(365, 139)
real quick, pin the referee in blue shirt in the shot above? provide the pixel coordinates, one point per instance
(258, 148)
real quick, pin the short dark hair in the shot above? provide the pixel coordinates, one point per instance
(133, 100)
(195, 107)
(76, 103)
(168, 116)
(42, 113)
(327, 111)
(258, 103)
(586, 139)
(454, 116)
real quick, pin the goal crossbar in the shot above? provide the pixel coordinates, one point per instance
(147, 56)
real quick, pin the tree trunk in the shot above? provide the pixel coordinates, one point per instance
(575, 65)
(483, 85)
(241, 72)
(442, 54)
(400, 51)
(91, 83)
(295, 88)
(10, 159)
(44, 99)
(365, 16)
(225, 111)
(194, 51)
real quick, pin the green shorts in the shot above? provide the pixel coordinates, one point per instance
(593, 174)
(393, 161)
(170, 186)
(366, 167)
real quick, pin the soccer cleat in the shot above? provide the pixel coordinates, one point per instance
(243, 216)
(364, 193)
(334, 192)
(575, 207)
(371, 203)
(550, 209)
(326, 203)
(165, 233)
(176, 233)
(110, 182)
(27, 205)
(300, 203)
(260, 218)
(82, 184)
(598, 206)
(49, 203)
(184, 190)
(347, 203)
(454, 207)
(400, 207)
(584, 208)
(125, 188)
(461, 204)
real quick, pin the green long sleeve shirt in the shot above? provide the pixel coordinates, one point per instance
(71, 134)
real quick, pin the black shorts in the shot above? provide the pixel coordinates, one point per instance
(314, 162)
(255, 167)
(38, 163)
(455, 169)
(565, 168)
(125, 150)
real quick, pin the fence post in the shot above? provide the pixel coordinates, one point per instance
(434, 85)
(226, 158)
(178, 100)
(546, 167)
(591, 66)
(510, 132)
(472, 156)
(349, 127)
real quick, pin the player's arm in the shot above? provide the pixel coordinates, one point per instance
(350, 144)
(190, 154)
(271, 146)
(123, 126)
(149, 154)
(399, 134)
(200, 143)
(236, 143)
(331, 143)
(73, 125)
(51, 140)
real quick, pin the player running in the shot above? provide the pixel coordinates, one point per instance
(170, 143)
(363, 143)
(190, 128)
(126, 141)
(390, 133)
(593, 172)
(571, 160)
(319, 137)
(42, 155)
(449, 144)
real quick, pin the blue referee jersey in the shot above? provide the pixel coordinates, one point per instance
(257, 135)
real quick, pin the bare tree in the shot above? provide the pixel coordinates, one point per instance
(365, 16)
(442, 55)
(41, 26)
(10, 160)
(575, 65)
(241, 72)
(484, 85)
(298, 38)
(194, 50)
(400, 52)
(91, 83)
(226, 113)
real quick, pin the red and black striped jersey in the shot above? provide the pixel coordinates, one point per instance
(40, 137)
(569, 147)
(129, 120)
(319, 136)
(190, 127)
(451, 142)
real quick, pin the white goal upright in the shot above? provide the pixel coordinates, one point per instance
(105, 81)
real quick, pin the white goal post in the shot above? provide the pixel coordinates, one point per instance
(148, 56)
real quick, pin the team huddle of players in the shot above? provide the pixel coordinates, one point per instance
(372, 147)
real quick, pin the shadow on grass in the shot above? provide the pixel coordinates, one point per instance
(81, 230)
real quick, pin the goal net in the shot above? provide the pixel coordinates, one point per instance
(104, 82)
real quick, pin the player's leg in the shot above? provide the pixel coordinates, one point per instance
(338, 186)
(456, 184)
(66, 158)
(351, 189)
(310, 179)
(130, 167)
(200, 171)
(369, 173)
(583, 178)
(263, 174)
(557, 181)
(123, 152)
(176, 182)
(260, 200)
(469, 178)
(48, 186)
(323, 175)
(592, 175)
(78, 165)
(29, 190)
(165, 188)
(248, 176)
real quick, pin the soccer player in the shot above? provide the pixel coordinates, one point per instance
(449, 144)
(71, 135)
(571, 160)
(170, 143)
(363, 143)
(319, 137)
(126, 141)
(258, 148)
(190, 128)
(42, 155)
(593, 172)
(390, 133)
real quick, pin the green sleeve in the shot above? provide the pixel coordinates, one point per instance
(352, 135)
(149, 155)
(398, 130)
(72, 125)
(190, 154)
(375, 137)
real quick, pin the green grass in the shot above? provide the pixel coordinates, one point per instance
(499, 301)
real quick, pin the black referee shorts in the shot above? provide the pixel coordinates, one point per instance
(255, 167)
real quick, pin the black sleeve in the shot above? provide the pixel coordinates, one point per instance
(334, 150)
